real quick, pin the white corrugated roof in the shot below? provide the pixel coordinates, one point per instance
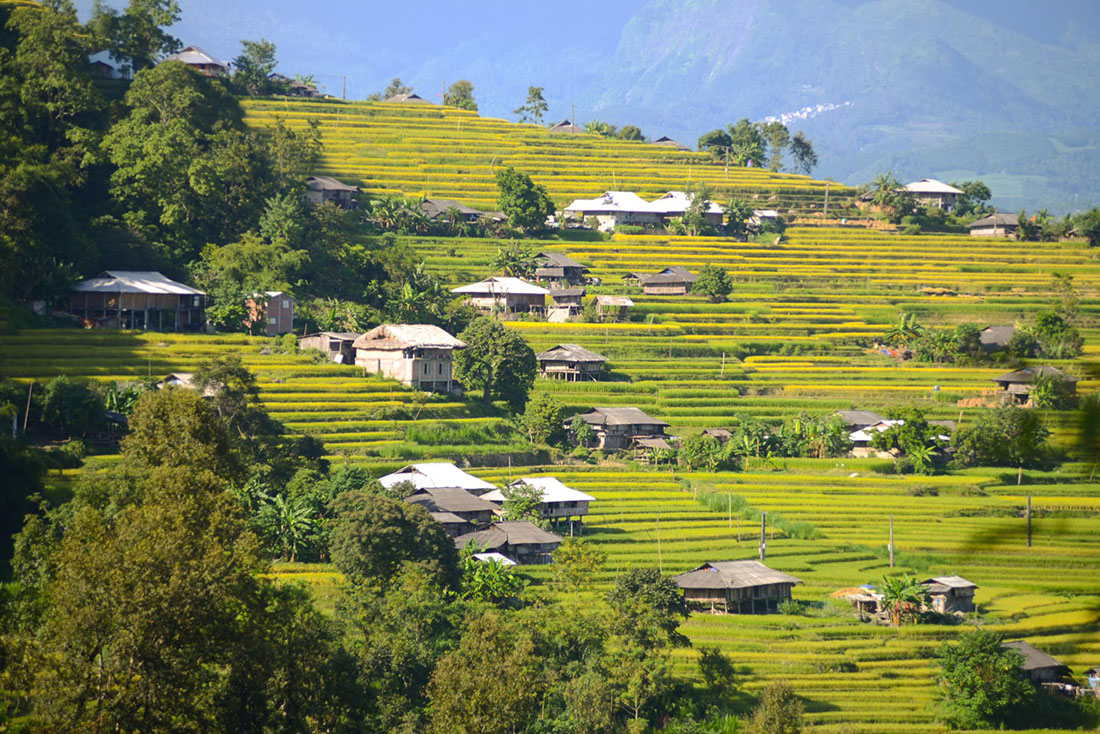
(931, 186)
(611, 202)
(677, 202)
(196, 56)
(434, 474)
(135, 281)
(502, 286)
(865, 433)
(552, 491)
(400, 336)
(494, 556)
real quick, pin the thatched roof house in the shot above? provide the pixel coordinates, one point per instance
(740, 587)
(523, 542)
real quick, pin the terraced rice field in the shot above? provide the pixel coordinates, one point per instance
(418, 149)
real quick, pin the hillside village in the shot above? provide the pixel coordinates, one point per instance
(413, 402)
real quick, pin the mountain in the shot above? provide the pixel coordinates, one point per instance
(1002, 90)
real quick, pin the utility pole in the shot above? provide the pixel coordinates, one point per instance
(344, 92)
(763, 535)
(1028, 515)
(825, 213)
(891, 541)
(27, 412)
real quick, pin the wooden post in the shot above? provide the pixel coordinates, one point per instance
(730, 498)
(891, 541)
(27, 412)
(825, 212)
(763, 535)
(1028, 515)
(670, 347)
(1020, 475)
(738, 528)
(344, 93)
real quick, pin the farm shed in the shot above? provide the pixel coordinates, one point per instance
(469, 508)
(417, 355)
(570, 362)
(566, 127)
(407, 97)
(200, 61)
(430, 475)
(722, 434)
(275, 309)
(138, 299)
(1019, 383)
(440, 210)
(558, 503)
(323, 189)
(567, 299)
(930, 192)
(523, 542)
(864, 599)
(668, 142)
(950, 594)
(619, 428)
(556, 268)
(336, 344)
(738, 587)
(511, 295)
(1038, 666)
(615, 307)
(856, 419)
(995, 225)
(672, 281)
(996, 338)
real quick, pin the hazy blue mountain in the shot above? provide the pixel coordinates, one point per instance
(1005, 90)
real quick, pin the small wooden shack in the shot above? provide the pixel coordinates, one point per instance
(1038, 666)
(673, 281)
(505, 294)
(138, 299)
(1018, 384)
(417, 355)
(736, 587)
(523, 542)
(438, 210)
(336, 344)
(613, 307)
(571, 362)
(566, 127)
(950, 594)
(668, 142)
(619, 428)
(995, 225)
(326, 190)
(450, 502)
(407, 98)
(722, 434)
(568, 299)
(559, 269)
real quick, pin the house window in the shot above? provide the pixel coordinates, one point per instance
(271, 319)
(425, 368)
(286, 303)
(441, 368)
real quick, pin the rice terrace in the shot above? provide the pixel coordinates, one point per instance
(390, 414)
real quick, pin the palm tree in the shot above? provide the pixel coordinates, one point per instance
(287, 522)
(903, 598)
(904, 332)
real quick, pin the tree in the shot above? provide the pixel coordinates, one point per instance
(1087, 225)
(525, 203)
(287, 522)
(904, 332)
(700, 452)
(802, 150)
(374, 536)
(497, 362)
(903, 598)
(778, 711)
(695, 217)
(718, 674)
(716, 142)
(982, 682)
(136, 36)
(582, 432)
(544, 419)
(514, 259)
(534, 108)
(778, 138)
(648, 609)
(523, 503)
(912, 436)
(1004, 436)
(712, 282)
(601, 128)
(460, 95)
(253, 67)
(72, 407)
(630, 132)
(395, 87)
(891, 196)
(576, 563)
(1050, 392)
(738, 214)
(974, 199)
(488, 581)
(1056, 337)
(747, 143)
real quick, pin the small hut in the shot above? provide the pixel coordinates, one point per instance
(407, 98)
(620, 428)
(200, 61)
(613, 307)
(559, 269)
(571, 362)
(452, 502)
(138, 299)
(673, 281)
(950, 594)
(996, 338)
(1018, 384)
(1038, 666)
(736, 587)
(995, 225)
(336, 344)
(523, 542)
(323, 189)
(568, 299)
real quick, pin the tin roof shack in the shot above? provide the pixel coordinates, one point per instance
(565, 127)
(613, 308)
(505, 294)
(567, 300)
(439, 210)
(336, 344)
(1018, 384)
(619, 428)
(1038, 666)
(274, 309)
(676, 203)
(406, 97)
(325, 190)
(668, 142)
(431, 475)
(416, 355)
(558, 270)
(673, 281)
(996, 338)
(614, 208)
(995, 225)
(951, 594)
(571, 362)
(930, 192)
(523, 542)
(559, 502)
(200, 61)
(134, 299)
(447, 503)
(736, 587)
(857, 419)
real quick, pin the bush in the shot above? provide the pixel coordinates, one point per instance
(629, 229)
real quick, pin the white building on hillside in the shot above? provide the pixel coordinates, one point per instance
(433, 475)
(510, 295)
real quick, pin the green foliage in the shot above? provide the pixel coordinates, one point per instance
(713, 282)
(777, 136)
(253, 66)
(1005, 436)
(525, 203)
(576, 563)
(630, 132)
(461, 95)
(903, 598)
(1057, 338)
(497, 362)
(738, 213)
(983, 683)
(544, 419)
(891, 196)
(694, 219)
(648, 609)
(534, 108)
(71, 407)
(778, 711)
(582, 433)
(802, 150)
(914, 437)
(137, 35)
(522, 503)
(1051, 392)
(488, 581)
(1087, 225)
(700, 452)
(394, 88)
(974, 201)
(515, 260)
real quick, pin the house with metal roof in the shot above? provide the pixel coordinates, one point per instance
(327, 190)
(930, 192)
(504, 294)
(406, 98)
(621, 428)
(1039, 667)
(668, 142)
(559, 269)
(672, 281)
(613, 307)
(570, 362)
(998, 224)
(457, 509)
(416, 355)
(676, 203)
(1018, 384)
(736, 587)
(430, 475)
(950, 594)
(996, 338)
(614, 208)
(566, 127)
(523, 542)
(558, 502)
(138, 299)
(200, 61)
